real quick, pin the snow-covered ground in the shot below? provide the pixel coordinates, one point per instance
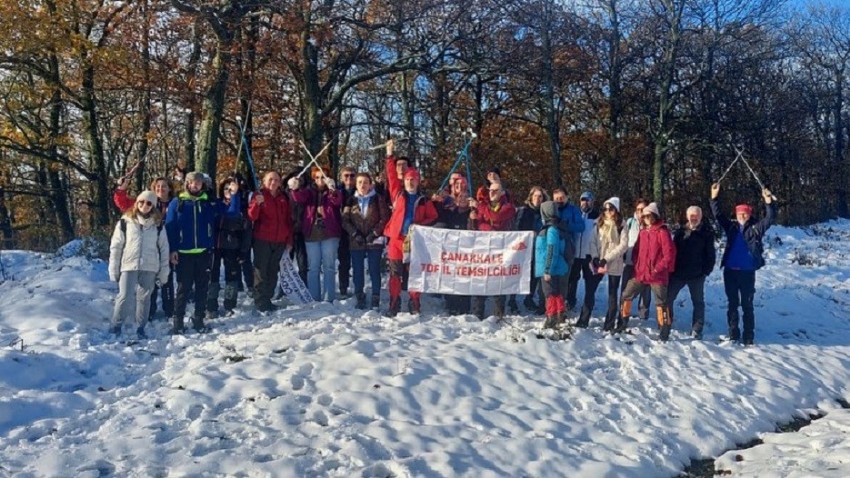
(325, 390)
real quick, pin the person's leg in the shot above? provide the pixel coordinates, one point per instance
(747, 286)
(591, 283)
(396, 270)
(572, 282)
(167, 292)
(478, 304)
(499, 306)
(183, 278)
(263, 283)
(152, 308)
(373, 257)
(344, 256)
(300, 251)
(663, 311)
(358, 268)
(330, 249)
(674, 287)
(126, 296)
(633, 289)
(202, 282)
(697, 290)
(611, 313)
(215, 282)
(144, 288)
(232, 277)
(730, 285)
(552, 292)
(247, 271)
(314, 263)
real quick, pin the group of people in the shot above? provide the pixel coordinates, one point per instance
(337, 232)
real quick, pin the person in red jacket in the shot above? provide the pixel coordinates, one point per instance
(654, 256)
(495, 214)
(409, 207)
(269, 210)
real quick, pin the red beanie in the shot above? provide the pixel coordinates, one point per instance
(744, 208)
(412, 173)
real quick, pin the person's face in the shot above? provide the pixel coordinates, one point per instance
(536, 198)
(364, 185)
(648, 219)
(454, 178)
(639, 209)
(161, 189)
(194, 186)
(411, 184)
(144, 207)
(271, 182)
(493, 177)
(586, 204)
(560, 198)
(694, 218)
(457, 186)
(400, 167)
(495, 192)
(319, 180)
(743, 217)
(348, 179)
(609, 210)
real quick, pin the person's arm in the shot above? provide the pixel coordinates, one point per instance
(668, 252)
(122, 199)
(116, 252)
(394, 184)
(347, 220)
(164, 256)
(770, 217)
(574, 221)
(384, 217)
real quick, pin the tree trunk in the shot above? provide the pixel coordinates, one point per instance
(57, 197)
(97, 160)
(839, 160)
(551, 121)
(206, 156)
(311, 100)
(145, 107)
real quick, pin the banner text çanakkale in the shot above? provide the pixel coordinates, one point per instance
(447, 261)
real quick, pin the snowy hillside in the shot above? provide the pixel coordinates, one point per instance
(325, 390)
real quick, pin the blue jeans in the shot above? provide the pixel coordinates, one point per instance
(374, 258)
(322, 255)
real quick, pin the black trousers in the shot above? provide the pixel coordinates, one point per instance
(167, 292)
(266, 269)
(299, 251)
(697, 289)
(193, 270)
(740, 291)
(232, 275)
(344, 257)
(579, 267)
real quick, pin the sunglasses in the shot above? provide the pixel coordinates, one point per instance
(144, 203)
(608, 208)
(495, 191)
(348, 175)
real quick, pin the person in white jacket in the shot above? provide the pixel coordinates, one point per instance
(138, 260)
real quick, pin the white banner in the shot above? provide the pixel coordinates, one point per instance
(291, 284)
(448, 261)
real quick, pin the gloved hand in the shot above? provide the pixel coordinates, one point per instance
(370, 238)
(330, 183)
(293, 183)
(588, 258)
(603, 262)
(359, 240)
(595, 262)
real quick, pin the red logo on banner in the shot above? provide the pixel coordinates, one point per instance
(519, 246)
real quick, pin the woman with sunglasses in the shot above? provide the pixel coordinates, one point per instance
(609, 243)
(654, 256)
(365, 215)
(321, 224)
(138, 260)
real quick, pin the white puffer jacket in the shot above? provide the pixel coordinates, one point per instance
(612, 249)
(142, 248)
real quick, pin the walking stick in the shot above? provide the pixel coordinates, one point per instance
(761, 185)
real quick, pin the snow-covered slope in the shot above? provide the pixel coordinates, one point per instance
(325, 390)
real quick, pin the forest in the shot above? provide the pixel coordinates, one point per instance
(652, 98)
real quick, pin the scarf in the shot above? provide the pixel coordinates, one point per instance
(364, 201)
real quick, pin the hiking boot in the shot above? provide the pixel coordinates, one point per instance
(622, 323)
(376, 301)
(664, 335)
(551, 320)
(177, 327)
(734, 334)
(414, 306)
(198, 323)
(513, 306)
(696, 335)
(140, 332)
(529, 304)
(395, 306)
(361, 301)
(499, 310)
(115, 330)
(210, 315)
(229, 313)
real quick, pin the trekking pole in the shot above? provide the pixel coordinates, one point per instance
(761, 185)
(462, 156)
(243, 142)
(379, 146)
(313, 159)
(737, 157)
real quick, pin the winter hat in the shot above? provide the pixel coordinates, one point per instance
(549, 210)
(148, 196)
(614, 201)
(589, 196)
(744, 208)
(652, 208)
(496, 170)
(195, 176)
(412, 173)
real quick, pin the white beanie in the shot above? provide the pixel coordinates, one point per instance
(652, 208)
(147, 196)
(614, 201)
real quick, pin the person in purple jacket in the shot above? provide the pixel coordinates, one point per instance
(321, 224)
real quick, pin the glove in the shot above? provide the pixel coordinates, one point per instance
(330, 183)
(587, 258)
(371, 237)
(293, 183)
(595, 262)
(360, 240)
(603, 263)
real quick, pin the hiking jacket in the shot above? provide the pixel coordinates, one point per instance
(753, 232)
(489, 218)
(273, 218)
(424, 212)
(528, 218)
(611, 249)
(549, 244)
(695, 253)
(191, 221)
(633, 230)
(330, 203)
(369, 226)
(654, 255)
(584, 238)
(143, 247)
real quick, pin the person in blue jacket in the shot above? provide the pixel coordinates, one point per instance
(744, 255)
(550, 263)
(190, 223)
(571, 222)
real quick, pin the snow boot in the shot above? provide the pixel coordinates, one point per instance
(140, 332)
(499, 308)
(395, 306)
(584, 319)
(376, 301)
(529, 303)
(414, 305)
(361, 301)
(115, 330)
(550, 322)
(512, 305)
(177, 327)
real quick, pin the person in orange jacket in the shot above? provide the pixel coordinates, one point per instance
(409, 206)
